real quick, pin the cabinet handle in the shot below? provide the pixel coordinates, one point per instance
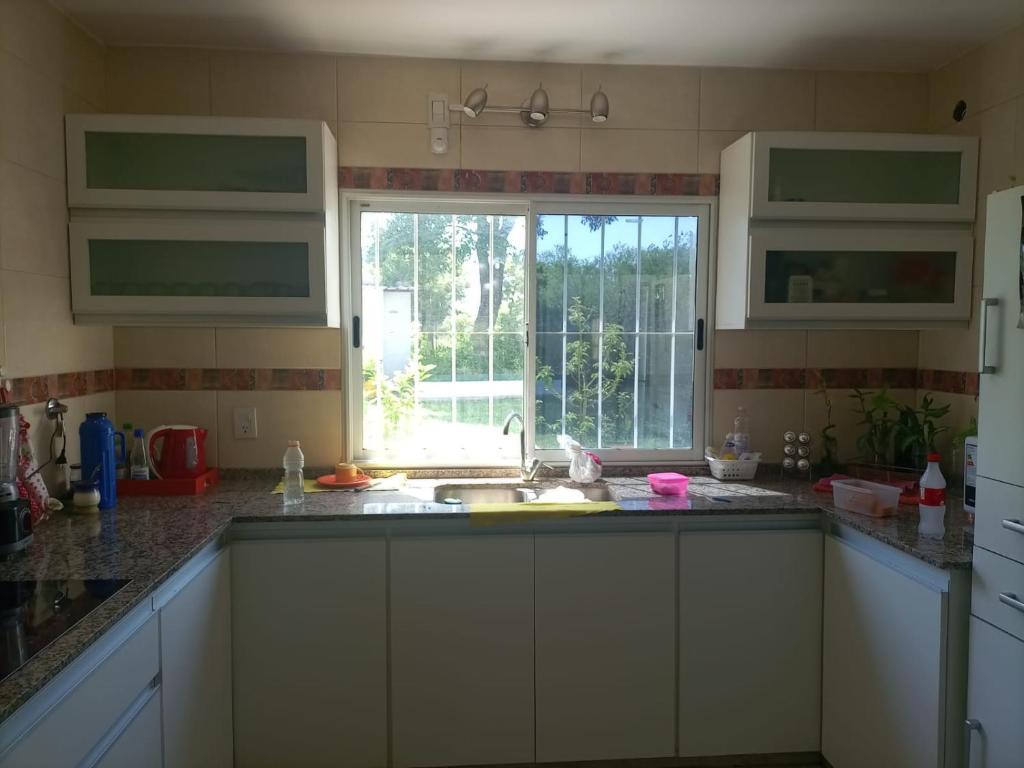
(1010, 599)
(987, 363)
(970, 726)
(1014, 525)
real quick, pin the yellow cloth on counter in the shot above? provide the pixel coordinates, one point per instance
(391, 483)
(523, 511)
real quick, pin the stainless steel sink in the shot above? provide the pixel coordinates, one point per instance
(480, 494)
(490, 494)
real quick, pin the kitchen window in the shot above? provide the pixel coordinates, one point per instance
(585, 317)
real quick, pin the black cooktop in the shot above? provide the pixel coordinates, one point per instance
(35, 613)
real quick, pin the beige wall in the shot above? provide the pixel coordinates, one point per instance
(663, 119)
(991, 80)
(48, 66)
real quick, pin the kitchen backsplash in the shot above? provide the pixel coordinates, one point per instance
(376, 107)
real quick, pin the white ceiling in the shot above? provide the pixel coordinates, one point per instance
(908, 35)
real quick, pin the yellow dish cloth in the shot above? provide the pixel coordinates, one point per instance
(392, 483)
(491, 514)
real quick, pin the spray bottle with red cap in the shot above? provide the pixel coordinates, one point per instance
(932, 502)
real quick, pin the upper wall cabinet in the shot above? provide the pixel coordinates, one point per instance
(841, 230)
(193, 163)
(855, 176)
(203, 221)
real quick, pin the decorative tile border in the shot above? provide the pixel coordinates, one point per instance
(29, 390)
(949, 382)
(37, 389)
(229, 379)
(527, 182)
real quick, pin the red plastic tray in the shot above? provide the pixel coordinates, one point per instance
(189, 486)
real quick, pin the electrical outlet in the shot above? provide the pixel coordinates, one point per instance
(245, 424)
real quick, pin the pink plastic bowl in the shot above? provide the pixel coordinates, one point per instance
(669, 483)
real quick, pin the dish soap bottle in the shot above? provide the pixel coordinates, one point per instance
(932, 502)
(294, 484)
(138, 460)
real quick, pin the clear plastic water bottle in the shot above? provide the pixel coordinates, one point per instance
(741, 431)
(138, 460)
(294, 484)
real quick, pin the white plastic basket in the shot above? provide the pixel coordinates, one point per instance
(731, 469)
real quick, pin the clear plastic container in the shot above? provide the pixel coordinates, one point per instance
(865, 497)
(741, 431)
(931, 505)
(294, 482)
(668, 483)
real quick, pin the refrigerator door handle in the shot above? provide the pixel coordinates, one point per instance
(1014, 525)
(988, 361)
(970, 726)
(1010, 599)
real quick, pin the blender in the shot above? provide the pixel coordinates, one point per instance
(15, 512)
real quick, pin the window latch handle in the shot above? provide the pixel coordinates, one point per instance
(357, 336)
(700, 334)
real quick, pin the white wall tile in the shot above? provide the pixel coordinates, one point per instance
(247, 84)
(756, 99)
(383, 89)
(399, 145)
(519, 149)
(639, 151)
(164, 348)
(33, 221)
(871, 101)
(158, 81)
(278, 348)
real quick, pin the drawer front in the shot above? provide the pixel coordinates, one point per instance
(72, 728)
(997, 593)
(995, 698)
(999, 515)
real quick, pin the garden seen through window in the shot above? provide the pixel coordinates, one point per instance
(612, 296)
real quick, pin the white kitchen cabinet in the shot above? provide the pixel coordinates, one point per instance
(749, 642)
(68, 722)
(138, 745)
(820, 230)
(854, 176)
(462, 650)
(192, 163)
(207, 271)
(195, 652)
(605, 646)
(890, 658)
(995, 698)
(309, 652)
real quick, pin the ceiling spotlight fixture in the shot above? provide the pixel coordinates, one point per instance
(534, 111)
(475, 102)
(539, 104)
(599, 106)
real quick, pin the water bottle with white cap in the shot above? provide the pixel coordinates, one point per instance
(294, 483)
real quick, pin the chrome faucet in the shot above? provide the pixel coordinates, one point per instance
(528, 468)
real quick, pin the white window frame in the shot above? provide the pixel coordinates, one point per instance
(704, 208)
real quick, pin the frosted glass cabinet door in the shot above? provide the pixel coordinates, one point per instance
(143, 161)
(863, 176)
(909, 275)
(199, 268)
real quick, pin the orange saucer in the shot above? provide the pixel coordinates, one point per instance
(329, 481)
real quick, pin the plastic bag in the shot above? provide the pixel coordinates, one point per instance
(584, 466)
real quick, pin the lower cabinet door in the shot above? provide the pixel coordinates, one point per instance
(605, 646)
(138, 746)
(995, 698)
(883, 665)
(309, 639)
(749, 642)
(195, 650)
(462, 650)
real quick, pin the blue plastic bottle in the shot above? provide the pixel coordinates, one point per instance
(99, 457)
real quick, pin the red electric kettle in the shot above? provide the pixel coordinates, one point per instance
(177, 451)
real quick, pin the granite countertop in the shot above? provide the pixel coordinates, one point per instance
(147, 539)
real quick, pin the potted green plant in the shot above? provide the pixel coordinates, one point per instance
(916, 430)
(829, 442)
(876, 411)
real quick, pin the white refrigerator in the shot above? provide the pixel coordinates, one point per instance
(994, 735)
